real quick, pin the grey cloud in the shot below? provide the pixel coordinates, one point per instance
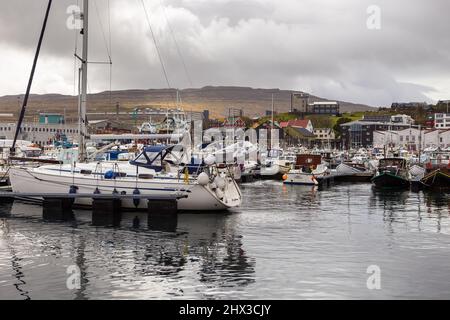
(321, 46)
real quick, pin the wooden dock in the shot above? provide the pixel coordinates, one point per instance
(106, 208)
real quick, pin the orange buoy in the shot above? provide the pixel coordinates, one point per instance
(284, 177)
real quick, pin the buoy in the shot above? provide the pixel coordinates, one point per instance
(73, 189)
(136, 201)
(203, 179)
(110, 174)
(209, 159)
(284, 177)
(220, 182)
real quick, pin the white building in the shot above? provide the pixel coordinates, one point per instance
(402, 118)
(412, 139)
(324, 134)
(442, 120)
(39, 133)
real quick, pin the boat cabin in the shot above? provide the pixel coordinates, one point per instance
(308, 161)
(162, 157)
(392, 162)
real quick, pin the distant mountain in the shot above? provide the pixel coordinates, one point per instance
(217, 100)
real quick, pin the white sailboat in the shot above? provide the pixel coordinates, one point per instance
(157, 171)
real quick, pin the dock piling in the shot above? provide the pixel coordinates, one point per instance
(162, 215)
(106, 212)
(57, 209)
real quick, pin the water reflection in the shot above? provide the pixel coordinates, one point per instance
(16, 262)
(308, 243)
(405, 207)
(188, 248)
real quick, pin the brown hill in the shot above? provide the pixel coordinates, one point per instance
(217, 100)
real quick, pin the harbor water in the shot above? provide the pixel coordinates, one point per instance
(284, 242)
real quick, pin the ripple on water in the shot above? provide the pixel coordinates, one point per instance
(284, 242)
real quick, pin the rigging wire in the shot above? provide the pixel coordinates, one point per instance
(110, 53)
(176, 44)
(156, 46)
(103, 31)
(107, 44)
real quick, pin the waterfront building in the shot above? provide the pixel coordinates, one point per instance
(402, 118)
(360, 133)
(39, 133)
(412, 138)
(298, 123)
(51, 118)
(324, 134)
(442, 120)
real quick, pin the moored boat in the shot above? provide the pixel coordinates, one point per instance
(307, 170)
(392, 173)
(154, 172)
(438, 179)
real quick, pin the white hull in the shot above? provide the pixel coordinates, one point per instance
(34, 180)
(302, 178)
(306, 178)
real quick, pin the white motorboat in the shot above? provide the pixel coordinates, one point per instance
(307, 170)
(273, 165)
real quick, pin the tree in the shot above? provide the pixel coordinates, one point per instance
(337, 127)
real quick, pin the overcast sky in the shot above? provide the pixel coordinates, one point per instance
(320, 46)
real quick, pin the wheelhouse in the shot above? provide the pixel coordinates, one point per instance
(392, 162)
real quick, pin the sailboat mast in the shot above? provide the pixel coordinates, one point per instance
(272, 110)
(30, 80)
(83, 94)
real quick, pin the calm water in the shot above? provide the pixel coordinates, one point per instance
(286, 242)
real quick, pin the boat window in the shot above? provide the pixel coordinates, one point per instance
(141, 159)
(154, 158)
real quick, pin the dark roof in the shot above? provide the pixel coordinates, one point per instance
(303, 132)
